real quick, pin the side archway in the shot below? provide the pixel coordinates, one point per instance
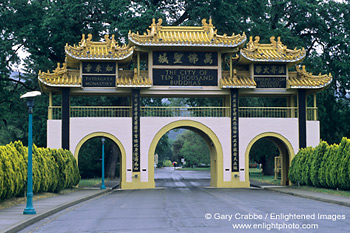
(215, 148)
(285, 148)
(116, 141)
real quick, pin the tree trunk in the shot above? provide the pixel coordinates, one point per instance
(111, 160)
(268, 167)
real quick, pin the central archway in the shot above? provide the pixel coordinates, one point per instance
(215, 148)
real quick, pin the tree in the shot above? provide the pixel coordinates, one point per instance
(42, 28)
(90, 163)
(192, 147)
(163, 149)
(264, 151)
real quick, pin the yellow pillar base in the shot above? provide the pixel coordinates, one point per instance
(137, 184)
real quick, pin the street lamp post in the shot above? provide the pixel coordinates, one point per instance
(103, 164)
(30, 104)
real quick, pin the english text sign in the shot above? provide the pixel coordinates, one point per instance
(270, 82)
(98, 81)
(185, 77)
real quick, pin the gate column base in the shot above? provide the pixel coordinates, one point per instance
(136, 184)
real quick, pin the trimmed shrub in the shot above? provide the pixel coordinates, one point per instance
(325, 166)
(330, 166)
(334, 162)
(316, 160)
(53, 170)
(305, 166)
(297, 171)
(343, 160)
(323, 171)
(2, 176)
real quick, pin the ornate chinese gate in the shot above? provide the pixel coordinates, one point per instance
(184, 62)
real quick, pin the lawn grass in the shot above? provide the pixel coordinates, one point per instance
(90, 182)
(37, 196)
(4, 204)
(256, 175)
(323, 190)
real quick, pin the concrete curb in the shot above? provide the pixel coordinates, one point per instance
(21, 225)
(309, 197)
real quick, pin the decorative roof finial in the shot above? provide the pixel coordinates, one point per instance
(272, 40)
(257, 39)
(153, 27)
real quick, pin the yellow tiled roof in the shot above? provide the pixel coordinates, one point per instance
(205, 36)
(126, 79)
(300, 79)
(273, 52)
(304, 80)
(106, 50)
(237, 81)
(61, 77)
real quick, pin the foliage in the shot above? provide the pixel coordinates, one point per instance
(316, 162)
(263, 152)
(298, 166)
(90, 158)
(323, 166)
(42, 28)
(329, 164)
(53, 170)
(167, 163)
(164, 149)
(192, 147)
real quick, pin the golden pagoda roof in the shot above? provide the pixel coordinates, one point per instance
(306, 80)
(92, 50)
(61, 77)
(273, 52)
(126, 79)
(237, 81)
(204, 36)
(301, 79)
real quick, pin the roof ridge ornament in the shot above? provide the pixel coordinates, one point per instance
(203, 36)
(303, 73)
(306, 80)
(209, 28)
(275, 51)
(108, 49)
(155, 27)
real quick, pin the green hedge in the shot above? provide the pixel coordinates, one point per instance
(326, 166)
(53, 170)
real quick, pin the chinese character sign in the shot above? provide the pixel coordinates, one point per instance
(270, 69)
(136, 130)
(270, 75)
(99, 68)
(234, 130)
(184, 58)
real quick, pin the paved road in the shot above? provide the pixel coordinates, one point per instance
(187, 205)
